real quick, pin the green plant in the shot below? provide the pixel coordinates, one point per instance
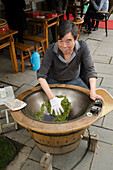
(46, 107)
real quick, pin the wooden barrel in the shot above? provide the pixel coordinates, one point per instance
(57, 143)
(59, 138)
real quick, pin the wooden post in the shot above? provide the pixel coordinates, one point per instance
(13, 55)
(46, 161)
(46, 34)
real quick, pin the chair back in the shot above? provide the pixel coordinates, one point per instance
(110, 11)
(110, 4)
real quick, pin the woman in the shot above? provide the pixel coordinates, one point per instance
(96, 5)
(15, 16)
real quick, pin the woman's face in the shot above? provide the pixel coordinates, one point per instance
(67, 43)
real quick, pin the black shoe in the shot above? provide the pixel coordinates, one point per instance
(86, 31)
(95, 29)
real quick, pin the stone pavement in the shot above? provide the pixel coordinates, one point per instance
(29, 157)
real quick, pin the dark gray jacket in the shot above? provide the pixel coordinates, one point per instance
(57, 5)
(55, 66)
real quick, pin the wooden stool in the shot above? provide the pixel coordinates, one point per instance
(7, 124)
(24, 48)
(34, 24)
(79, 24)
(36, 40)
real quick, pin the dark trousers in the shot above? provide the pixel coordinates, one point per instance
(19, 36)
(92, 15)
(77, 82)
(53, 31)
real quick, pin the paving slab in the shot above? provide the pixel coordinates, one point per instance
(107, 81)
(96, 35)
(111, 60)
(19, 159)
(105, 48)
(108, 121)
(102, 59)
(99, 122)
(31, 165)
(92, 44)
(110, 32)
(111, 91)
(104, 68)
(17, 79)
(103, 157)
(30, 143)
(98, 82)
(18, 136)
(108, 39)
(105, 135)
(23, 88)
(5, 85)
(67, 161)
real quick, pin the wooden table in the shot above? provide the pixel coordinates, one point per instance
(6, 39)
(47, 23)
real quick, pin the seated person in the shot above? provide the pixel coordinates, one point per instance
(62, 64)
(59, 6)
(96, 5)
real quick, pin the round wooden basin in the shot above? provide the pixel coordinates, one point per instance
(49, 136)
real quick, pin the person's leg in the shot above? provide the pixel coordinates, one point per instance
(97, 16)
(52, 81)
(20, 36)
(77, 82)
(93, 23)
(97, 23)
(53, 34)
(96, 26)
(90, 14)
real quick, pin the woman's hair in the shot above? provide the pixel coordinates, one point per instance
(65, 27)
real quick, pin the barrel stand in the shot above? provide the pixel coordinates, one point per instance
(46, 160)
(94, 140)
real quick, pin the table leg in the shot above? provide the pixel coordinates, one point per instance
(13, 55)
(46, 34)
(57, 24)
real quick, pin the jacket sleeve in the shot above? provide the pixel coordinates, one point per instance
(87, 63)
(65, 4)
(46, 64)
(99, 7)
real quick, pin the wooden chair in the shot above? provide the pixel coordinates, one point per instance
(35, 39)
(24, 48)
(35, 26)
(106, 17)
(79, 24)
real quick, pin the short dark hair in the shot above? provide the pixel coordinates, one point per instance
(65, 27)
